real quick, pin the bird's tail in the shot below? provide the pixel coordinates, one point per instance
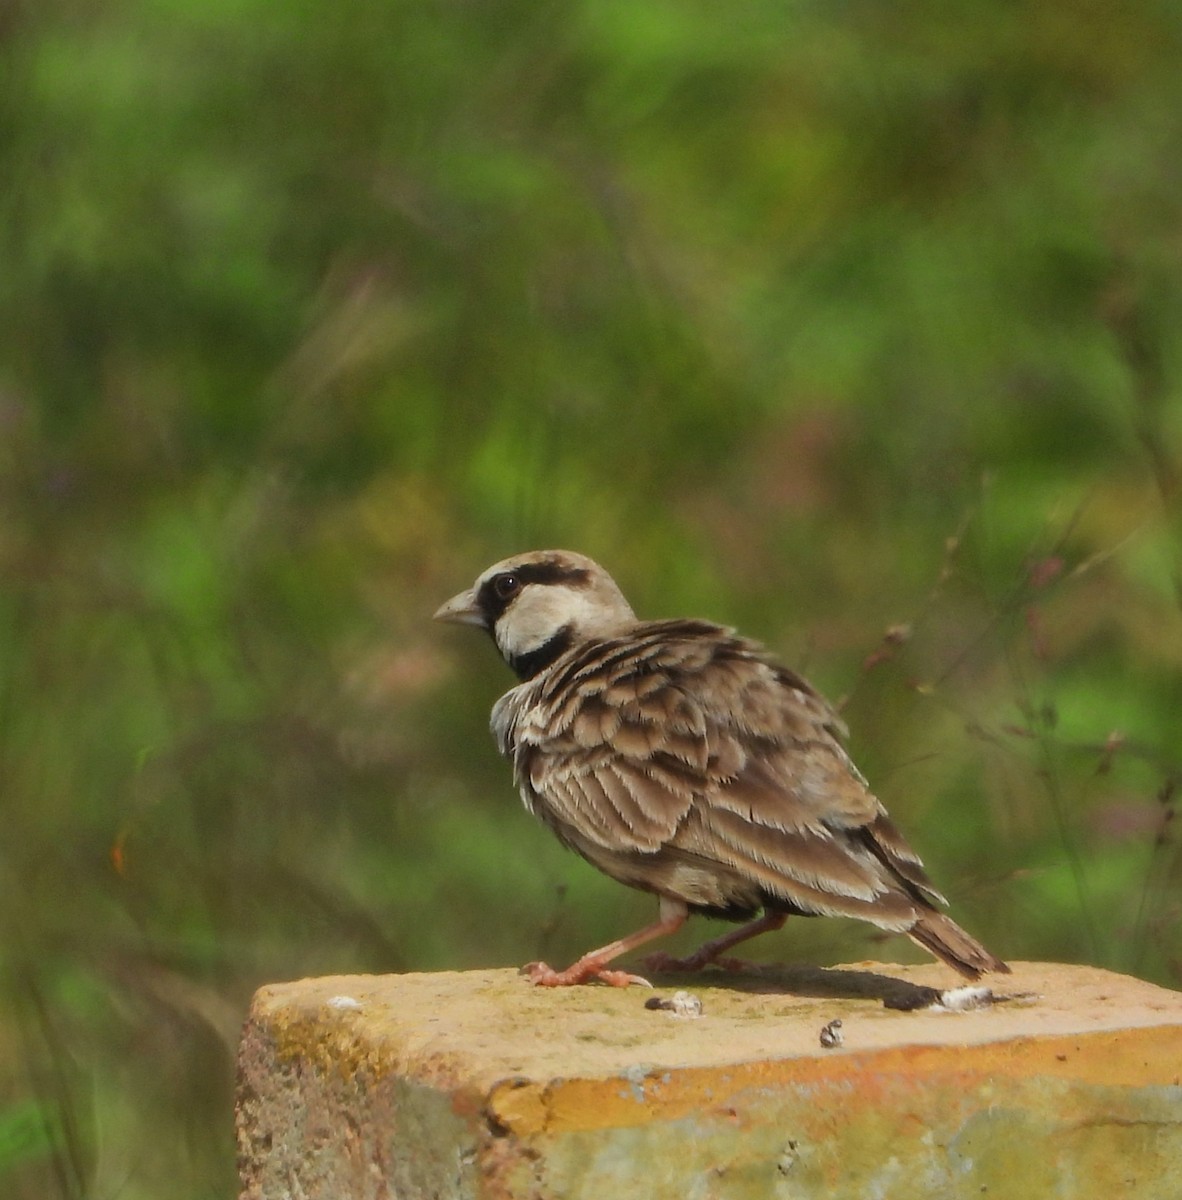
(944, 938)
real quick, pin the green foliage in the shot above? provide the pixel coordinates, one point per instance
(25, 1134)
(826, 320)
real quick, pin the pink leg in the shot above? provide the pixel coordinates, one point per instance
(593, 965)
(710, 951)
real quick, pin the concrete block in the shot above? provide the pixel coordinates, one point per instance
(478, 1086)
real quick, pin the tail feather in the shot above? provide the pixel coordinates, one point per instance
(943, 937)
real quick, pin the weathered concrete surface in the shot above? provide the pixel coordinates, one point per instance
(478, 1085)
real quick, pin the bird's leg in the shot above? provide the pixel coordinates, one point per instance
(593, 965)
(709, 951)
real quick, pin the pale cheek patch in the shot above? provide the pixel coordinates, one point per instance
(536, 616)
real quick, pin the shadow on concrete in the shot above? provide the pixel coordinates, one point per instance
(815, 982)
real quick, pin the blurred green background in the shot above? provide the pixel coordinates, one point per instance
(856, 325)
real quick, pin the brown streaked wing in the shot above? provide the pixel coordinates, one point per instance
(621, 803)
(889, 845)
(794, 873)
(799, 815)
(565, 800)
(795, 787)
(595, 722)
(686, 737)
(817, 858)
(616, 749)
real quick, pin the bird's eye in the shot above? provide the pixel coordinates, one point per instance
(507, 585)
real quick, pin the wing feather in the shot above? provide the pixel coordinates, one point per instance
(683, 740)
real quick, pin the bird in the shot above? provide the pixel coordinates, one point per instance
(682, 759)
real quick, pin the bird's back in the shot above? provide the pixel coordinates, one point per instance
(679, 758)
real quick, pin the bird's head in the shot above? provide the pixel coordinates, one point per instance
(540, 604)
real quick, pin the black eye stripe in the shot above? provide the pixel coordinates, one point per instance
(494, 599)
(550, 572)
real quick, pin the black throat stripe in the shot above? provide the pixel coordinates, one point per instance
(526, 666)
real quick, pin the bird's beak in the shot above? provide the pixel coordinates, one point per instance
(461, 610)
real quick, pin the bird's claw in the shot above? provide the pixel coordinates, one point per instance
(623, 979)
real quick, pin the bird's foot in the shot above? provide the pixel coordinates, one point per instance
(585, 970)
